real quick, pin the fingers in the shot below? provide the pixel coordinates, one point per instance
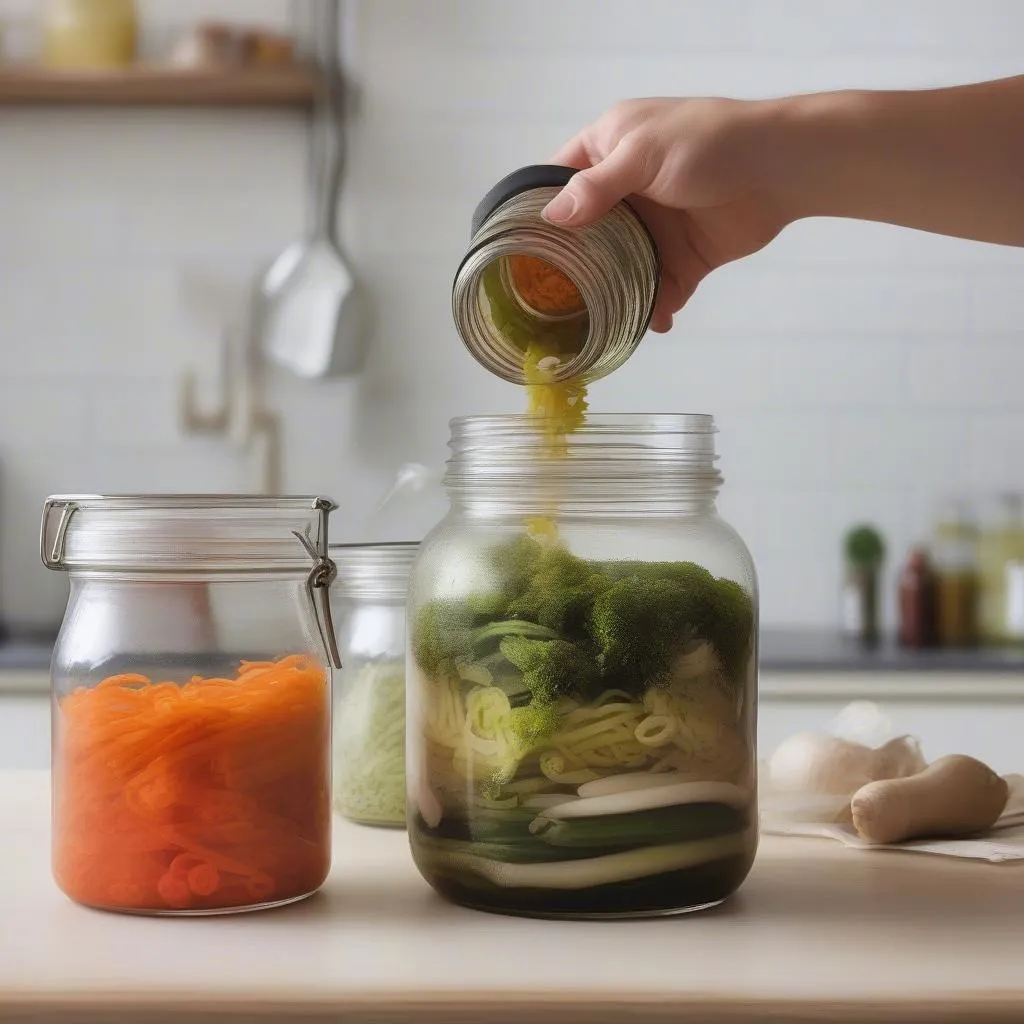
(670, 300)
(661, 322)
(593, 191)
(573, 154)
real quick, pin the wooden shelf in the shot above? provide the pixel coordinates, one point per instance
(159, 86)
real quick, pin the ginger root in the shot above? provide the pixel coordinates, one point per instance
(954, 796)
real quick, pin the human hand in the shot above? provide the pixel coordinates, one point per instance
(691, 170)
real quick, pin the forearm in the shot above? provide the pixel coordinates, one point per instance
(949, 161)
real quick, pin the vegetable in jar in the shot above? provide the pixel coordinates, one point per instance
(206, 795)
(369, 745)
(369, 714)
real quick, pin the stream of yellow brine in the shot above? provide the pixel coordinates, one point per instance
(558, 408)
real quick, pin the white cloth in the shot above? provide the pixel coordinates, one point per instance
(781, 815)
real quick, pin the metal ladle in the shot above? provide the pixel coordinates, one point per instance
(309, 321)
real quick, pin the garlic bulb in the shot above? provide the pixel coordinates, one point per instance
(822, 764)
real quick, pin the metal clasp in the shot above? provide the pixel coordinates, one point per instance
(319, 580)
(52, 552)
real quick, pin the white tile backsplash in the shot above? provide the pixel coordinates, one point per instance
(858, 371)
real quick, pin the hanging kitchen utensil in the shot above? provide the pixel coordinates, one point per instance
(310, 318)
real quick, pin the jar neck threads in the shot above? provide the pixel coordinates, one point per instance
(614, 464)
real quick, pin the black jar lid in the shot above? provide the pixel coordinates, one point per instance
(526, 178)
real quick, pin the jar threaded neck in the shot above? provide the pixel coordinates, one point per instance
(622, 464)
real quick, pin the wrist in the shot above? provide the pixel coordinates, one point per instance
(808, 149)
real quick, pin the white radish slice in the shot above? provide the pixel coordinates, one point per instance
(648, 799)
(612, 867)
(629, 782)
(542, 800)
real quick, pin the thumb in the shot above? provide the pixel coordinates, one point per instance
(591, 193)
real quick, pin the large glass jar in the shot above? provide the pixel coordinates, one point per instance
(191, 701)
(369, 717)
(582, 674)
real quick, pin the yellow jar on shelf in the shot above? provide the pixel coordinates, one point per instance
(89, 34)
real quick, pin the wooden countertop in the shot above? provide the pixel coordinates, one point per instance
(818, 933)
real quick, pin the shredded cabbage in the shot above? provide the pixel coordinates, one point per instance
(369, 745)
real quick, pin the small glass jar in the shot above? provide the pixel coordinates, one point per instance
(582, 674)
(369, 715)
(191, 701)
(587, 294)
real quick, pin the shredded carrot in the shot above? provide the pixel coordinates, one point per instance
(206, 795)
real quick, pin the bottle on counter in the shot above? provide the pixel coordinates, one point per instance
(954, 561)
(916, 601)
(864, 552)
(1001, 572)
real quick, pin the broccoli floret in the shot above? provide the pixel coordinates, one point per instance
(560, 593)
(640, 622)
(730, 626)
(442, 632)
(487, 606)
(514, 564)
(643, 619)
(535, 723)
(564, 624)
(450, 631)
(551, 669)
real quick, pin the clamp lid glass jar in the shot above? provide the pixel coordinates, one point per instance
(369, 717)
(582, 699)
(191, 701)
(581, 295)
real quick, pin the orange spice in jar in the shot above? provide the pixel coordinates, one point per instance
(543, 287)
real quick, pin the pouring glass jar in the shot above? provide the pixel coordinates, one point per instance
(191, 701)
(586, 294)
(582, 674)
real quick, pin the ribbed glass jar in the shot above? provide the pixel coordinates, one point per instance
(191, 701)
(586, 294)
(369, 716)
(582, 674)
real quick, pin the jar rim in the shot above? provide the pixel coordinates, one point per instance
(614, 463)
(374, 571)
(196, 533)
(597, 423)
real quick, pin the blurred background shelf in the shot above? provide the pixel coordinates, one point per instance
(293, 86)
